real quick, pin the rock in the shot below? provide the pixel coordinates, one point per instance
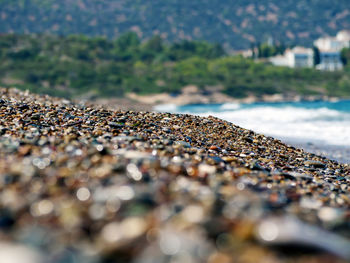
(314, 164)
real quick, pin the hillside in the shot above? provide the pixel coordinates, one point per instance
(235, 23)
(79, 66)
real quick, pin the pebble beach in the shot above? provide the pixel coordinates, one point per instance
(81, 183)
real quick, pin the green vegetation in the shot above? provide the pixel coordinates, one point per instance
(78, 65)
(234, 23)
(265, 50)
(345, 56)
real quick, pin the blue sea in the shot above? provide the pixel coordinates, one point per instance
(321, 127)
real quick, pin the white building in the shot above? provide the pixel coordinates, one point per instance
(298, 57)
(328, 43)
(330, 48)
(280, 60)
(337, 43)
(330, 60)
(344, 36)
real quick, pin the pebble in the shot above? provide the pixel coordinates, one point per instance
(87, 184)
(314, 164)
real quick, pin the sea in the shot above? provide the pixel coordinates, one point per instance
(320, 127)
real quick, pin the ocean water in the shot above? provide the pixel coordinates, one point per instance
(321, 127)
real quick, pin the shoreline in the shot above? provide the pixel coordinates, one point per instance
(192, 95)
(333, 152)
(149, 102)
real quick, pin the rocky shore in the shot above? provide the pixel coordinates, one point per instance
(191, 94)
(80, 183)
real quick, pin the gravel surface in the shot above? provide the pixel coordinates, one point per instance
(81, 183)
(333, 152)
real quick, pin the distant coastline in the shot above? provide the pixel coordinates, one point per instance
(149, 102)
(192, 95)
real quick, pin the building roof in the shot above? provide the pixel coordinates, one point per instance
(329, 50)
(325, 38)
(343, 35)
(300, 50)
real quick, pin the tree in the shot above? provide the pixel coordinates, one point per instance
(127, 41)
(281, 48)
(345, 56)
(155, 44)
(317, 57)
(265, 51)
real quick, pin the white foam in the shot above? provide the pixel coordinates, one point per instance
(229, 106)
(165, 107)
